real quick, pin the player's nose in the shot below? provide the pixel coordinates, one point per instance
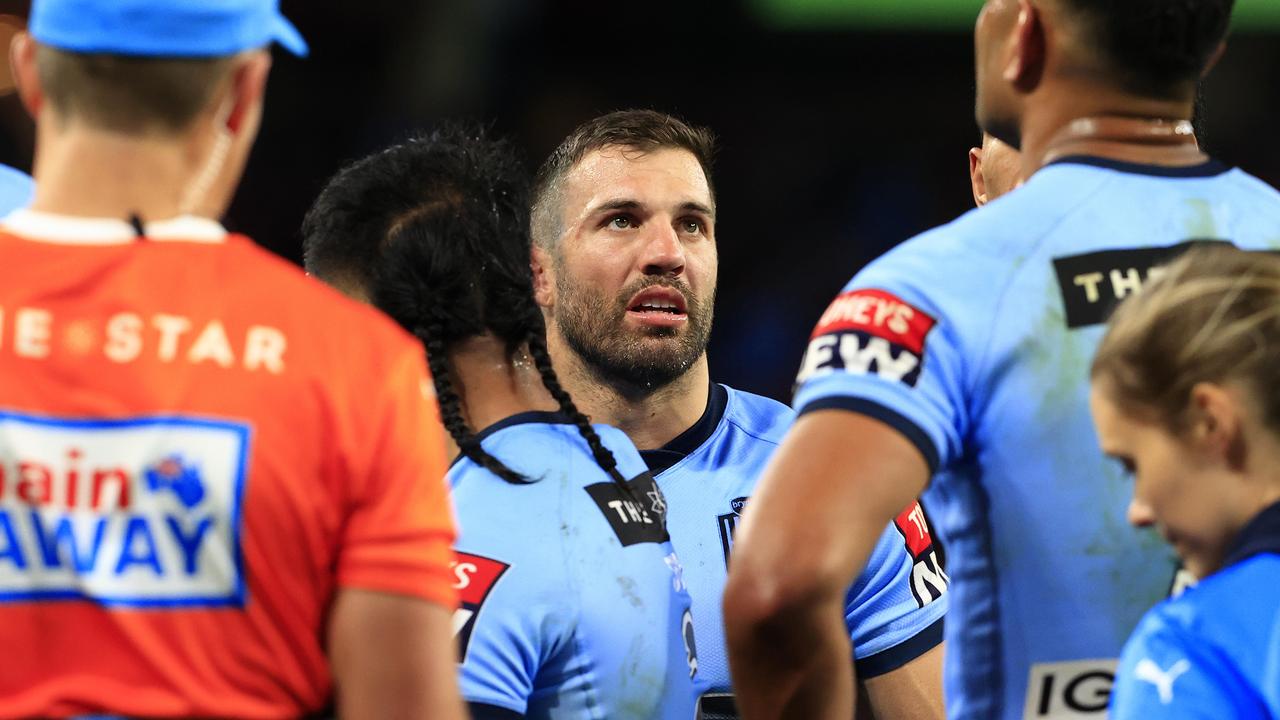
(663, 252)
(1140, 514)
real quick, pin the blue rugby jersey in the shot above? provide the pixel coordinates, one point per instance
(974, 341)
(16, 189)
(1213, 652)
(573, 604)
(894, 610)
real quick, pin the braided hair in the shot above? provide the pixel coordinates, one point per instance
(435, 230)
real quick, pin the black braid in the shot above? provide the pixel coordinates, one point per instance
(451, 407)
(542, 359)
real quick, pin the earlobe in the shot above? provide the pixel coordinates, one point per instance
(976, 179)
(543, 280)
(1217, 425)
(22, 63)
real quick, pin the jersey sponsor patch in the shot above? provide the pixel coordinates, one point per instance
(869, 332)
(729, 525)
(1093, 284)
(928, 578)
(141, 512)
(1074, 690)
(474, 578)
(638, 516)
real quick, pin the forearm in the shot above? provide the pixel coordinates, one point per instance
(794, 664)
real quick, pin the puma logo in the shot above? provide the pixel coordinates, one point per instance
(1150, 672)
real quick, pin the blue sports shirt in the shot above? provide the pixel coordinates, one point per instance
(1213, 652)
(16, 189)
(974, 341)
(572, 601)
(894, 610)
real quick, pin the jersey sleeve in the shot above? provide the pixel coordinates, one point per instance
(895, 609)
(399, 531)
(506, 629)
(898, 343)
(1166, 672)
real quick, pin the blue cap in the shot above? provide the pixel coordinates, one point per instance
(163, 28)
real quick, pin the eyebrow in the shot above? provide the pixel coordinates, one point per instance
(625, 204)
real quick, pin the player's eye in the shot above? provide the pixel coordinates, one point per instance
(693, 226)
(621, 222)
(1127, 466)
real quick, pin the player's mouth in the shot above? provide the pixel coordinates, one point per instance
(658, 307)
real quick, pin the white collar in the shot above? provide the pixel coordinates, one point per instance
(72, 230)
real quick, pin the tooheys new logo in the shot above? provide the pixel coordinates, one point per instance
(637, 514)
(140, 512)
(869, 332)
(928, 578)
(474, 578)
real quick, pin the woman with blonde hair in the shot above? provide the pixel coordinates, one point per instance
(1186, 395)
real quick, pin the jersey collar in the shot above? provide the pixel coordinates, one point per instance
(1260, 535)
(687, 442)
(1210, 168)
(72, 230)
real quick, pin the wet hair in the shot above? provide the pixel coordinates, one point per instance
(639, 130)
(1155, 48)
(130, 95)
(1211, 316)
(435, 231)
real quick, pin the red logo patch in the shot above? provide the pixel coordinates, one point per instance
(877, 313)
(474, 577)
(915, 530)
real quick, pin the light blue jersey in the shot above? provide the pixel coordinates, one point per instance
(573, 602)
(974, 341)
(16, 189)
(1214, 652)
(895, 609)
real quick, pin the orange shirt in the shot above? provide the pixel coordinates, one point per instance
(198, 446)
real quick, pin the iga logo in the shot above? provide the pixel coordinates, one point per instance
(928, 578)
(869, 332)
(142, 512)
(474, 578)
(1069, 690)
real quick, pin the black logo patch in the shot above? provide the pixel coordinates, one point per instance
(1093, 284)
(729, 524)
(637, 516)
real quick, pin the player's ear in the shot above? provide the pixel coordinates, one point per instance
(1217, 426)
(544, 281)
(248, 84)
(1025, 65)
(976, 180)
(22, 63)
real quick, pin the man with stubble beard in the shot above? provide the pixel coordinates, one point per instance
(624, 263)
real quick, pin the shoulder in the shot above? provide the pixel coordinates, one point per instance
(1256, 188)
(757, 416)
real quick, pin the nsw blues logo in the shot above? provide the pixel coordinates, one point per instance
(142, 512)
(729, 525)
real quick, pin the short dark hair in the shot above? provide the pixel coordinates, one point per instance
(436, 231)
(131, 95)
(1156, 48)
(642, 130)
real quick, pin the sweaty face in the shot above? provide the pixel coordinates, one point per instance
(635, 269)
(996, 102)
(1175, 489)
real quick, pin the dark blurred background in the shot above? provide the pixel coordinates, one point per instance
(843, 124)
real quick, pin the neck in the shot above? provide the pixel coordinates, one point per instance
(493, 385)
(650, 419)
(92, 173)
(1049, 128)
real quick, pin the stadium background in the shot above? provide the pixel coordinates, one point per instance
(843, 124)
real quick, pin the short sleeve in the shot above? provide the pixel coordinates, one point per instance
(499, 631)
(399, 530)
(895, 609)
(897, 343)
(1167, 673)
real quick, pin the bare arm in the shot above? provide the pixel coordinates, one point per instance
(393, 658)
(837, 481)
(912, 692)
